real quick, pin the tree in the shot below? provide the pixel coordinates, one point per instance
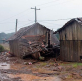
(1, 48)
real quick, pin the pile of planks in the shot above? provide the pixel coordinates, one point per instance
(29, 46)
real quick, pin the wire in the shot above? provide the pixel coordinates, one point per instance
(26, 15)
(26, 10)
(29, 8)
(18, 27)
(56, 19)
(48, 3)
(58, 4)
(18, 21)
(15, 15)
(38, 20)
(51, 23)
(42, 21)
(26, 24)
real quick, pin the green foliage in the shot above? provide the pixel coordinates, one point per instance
(5, 36)
(57, 35)
(43, 64)
(75, 64)
(1, 48)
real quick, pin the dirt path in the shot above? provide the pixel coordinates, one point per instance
(16, 69)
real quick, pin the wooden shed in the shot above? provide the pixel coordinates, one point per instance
(28, 40)
(71, 40)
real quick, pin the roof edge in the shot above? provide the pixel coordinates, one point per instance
(69, 22)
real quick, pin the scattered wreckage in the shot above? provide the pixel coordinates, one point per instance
(35, 40)
(37, 48)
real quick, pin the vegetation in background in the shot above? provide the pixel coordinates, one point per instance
(1, 48)
(57, 35)
(6, 46)
(5, 36)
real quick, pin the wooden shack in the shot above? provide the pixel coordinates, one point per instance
(71, 40)
(28, 40)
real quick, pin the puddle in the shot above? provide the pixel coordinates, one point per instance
(4, 66)
(28, 77)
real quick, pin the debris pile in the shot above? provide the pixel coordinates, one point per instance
(36, 46)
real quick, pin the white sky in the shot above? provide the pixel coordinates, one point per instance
(10, 10)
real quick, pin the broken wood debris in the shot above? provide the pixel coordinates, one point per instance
(35, 45)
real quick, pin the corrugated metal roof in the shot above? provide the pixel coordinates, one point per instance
(79, 20)
(22, 31)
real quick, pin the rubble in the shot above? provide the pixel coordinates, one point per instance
(37, 47)
(56, 64)
(48, 68)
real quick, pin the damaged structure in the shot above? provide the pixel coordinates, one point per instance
(32, 40)
(71, 40)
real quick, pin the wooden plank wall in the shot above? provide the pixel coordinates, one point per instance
(72, 32)
(70, 50)
(71, 42)
(14, 47)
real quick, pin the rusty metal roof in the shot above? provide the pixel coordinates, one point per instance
(23, 30)
(79, 20)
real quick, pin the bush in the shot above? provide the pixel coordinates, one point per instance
(1, 48)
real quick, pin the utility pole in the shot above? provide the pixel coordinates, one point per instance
(16, 25)
(35, 13)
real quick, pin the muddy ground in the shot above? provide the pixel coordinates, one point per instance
(16, 69)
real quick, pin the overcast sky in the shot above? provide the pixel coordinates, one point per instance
(51, 13)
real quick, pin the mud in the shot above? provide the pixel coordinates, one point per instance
(29, 77)
(16, 69)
